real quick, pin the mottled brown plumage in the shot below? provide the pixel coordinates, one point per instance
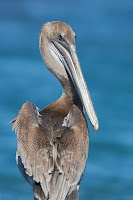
(53, 143)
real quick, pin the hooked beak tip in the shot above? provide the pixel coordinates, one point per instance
(96, 127)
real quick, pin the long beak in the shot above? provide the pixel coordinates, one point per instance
(68, 56)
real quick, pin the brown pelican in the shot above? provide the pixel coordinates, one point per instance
(53, 143)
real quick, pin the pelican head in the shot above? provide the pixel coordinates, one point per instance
(58, 50)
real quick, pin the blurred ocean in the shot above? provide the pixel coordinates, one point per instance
(104, 41)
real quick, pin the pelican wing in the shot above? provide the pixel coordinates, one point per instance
(33, 148)
(72, 148)
(56, 167)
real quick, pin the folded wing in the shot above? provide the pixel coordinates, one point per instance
(56, 168)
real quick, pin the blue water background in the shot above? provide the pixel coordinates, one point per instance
(104, 42)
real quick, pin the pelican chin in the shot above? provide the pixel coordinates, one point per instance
(53, 143)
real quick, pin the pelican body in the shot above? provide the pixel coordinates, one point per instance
(52, 144)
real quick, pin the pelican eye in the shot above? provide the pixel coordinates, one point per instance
(60, 36)
(75, 36)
